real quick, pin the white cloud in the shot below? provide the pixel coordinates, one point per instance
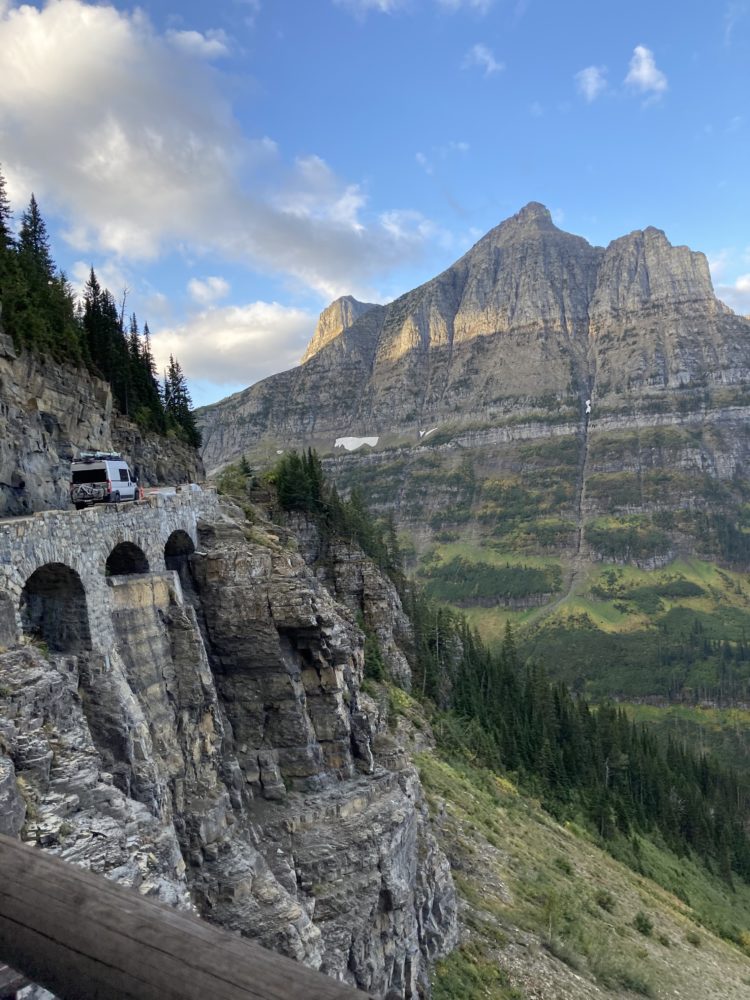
(442, 152)
(644, 75)
(480, 55)
(212, 45)
(207, 290)
(115, 128)
(406, 225)
(157, 305)
(481, 6)
(591, 82)
(718, 264)
(314, 192)
(237, 344)
(734, 291)
(363, 6)
(424, 163)
(734, 13)
(736, 294)
(253, 10)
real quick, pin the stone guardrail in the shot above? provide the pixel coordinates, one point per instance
(73, 549)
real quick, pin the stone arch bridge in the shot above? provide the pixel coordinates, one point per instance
(59, 569)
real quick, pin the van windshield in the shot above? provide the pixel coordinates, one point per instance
(89, 476)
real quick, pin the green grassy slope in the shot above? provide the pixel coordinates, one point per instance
(491, 521)
(546, 914)
(679, 632)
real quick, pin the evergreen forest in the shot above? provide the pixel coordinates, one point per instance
(587, 764)
(41, 314)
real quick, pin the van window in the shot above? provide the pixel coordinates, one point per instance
(89, 476)
(123, 473)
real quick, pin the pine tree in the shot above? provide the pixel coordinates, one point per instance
(11, 292)
(178, 404)
(93, 322)
(7, 241)
(40, 312)
(152, 395)
(395, 556)
(33, 246)
(44, 309)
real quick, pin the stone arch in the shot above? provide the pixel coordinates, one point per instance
(178, 547)
(53, 609)
(125, 559)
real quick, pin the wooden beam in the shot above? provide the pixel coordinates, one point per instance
(85, 938)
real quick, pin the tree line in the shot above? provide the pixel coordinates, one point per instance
(301, 485)
(596, 762)
(583, 762)
(41, 314)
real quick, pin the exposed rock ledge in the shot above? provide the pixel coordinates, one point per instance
(48, 412)
(222, 760)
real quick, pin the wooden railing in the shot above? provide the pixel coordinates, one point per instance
(86, 938)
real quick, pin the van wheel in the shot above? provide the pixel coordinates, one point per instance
(115, 498)
(80, 506)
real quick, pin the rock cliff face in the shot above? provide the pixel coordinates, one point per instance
(477, 388)
(332, 322)
(224, 757)
(530, 319)
(48, 412)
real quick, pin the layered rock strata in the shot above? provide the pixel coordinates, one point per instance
(530, 319)
(541, 395)
(221, 757)
(332, 322)
(50, 412)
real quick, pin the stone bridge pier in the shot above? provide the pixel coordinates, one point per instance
(56, 568)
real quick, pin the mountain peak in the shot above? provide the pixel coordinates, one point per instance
(531, 219)
(534, 212)
(332, 322)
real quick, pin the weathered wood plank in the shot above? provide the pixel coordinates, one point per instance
(86, 938)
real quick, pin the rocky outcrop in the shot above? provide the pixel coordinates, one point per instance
(332, 322)
(369, 594)
(70, 804)
(49, 412)
(531, 319)
(223, 757)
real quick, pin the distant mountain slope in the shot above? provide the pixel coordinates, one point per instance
(529, 316)
(475, 389)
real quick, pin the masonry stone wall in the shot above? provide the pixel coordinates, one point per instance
(83, 540)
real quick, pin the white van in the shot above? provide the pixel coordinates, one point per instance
(101, 477)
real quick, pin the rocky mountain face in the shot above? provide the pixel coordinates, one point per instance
(49, 412)
(530, 320)
(542, 396)
(334, 319)
(225, 757)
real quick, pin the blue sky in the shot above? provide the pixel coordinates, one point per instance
(237, 165)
